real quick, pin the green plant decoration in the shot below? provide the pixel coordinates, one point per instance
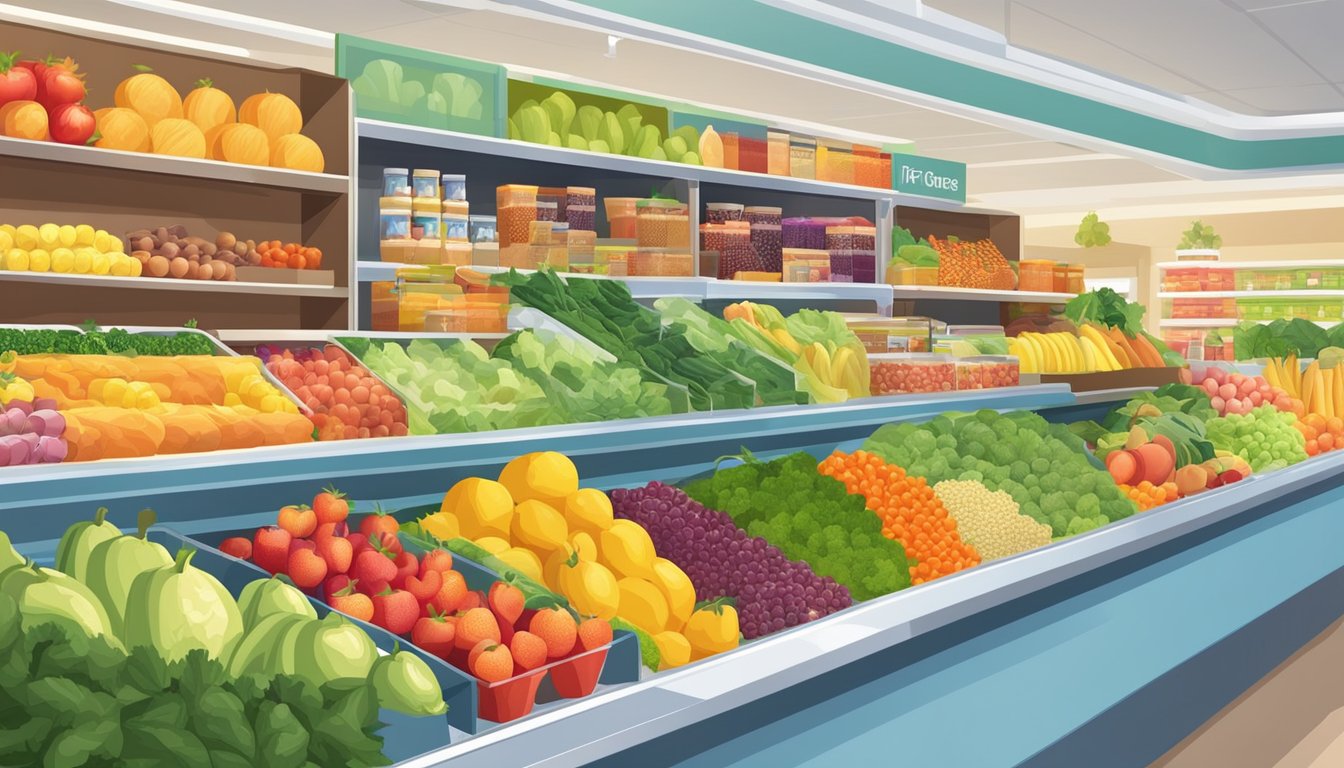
(1093, 232)
(1199, 236)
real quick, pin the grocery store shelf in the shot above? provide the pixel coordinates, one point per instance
(278, 335)
(192, 286)
(1109, 395)
(165, 165)
(947, 293)
(1302, 294)
(1276, 264)
(615, 726)
(540, 153)
(1214, 322)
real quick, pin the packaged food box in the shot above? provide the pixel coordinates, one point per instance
(911, 275)
(1036, 275)
(718, 213)
(908, 373)
(660, 262)
(881, 335)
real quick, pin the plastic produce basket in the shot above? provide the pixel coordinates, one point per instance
(404, 736)
(416, 87)
(898, 374)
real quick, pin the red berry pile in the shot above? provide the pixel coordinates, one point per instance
(889, 377)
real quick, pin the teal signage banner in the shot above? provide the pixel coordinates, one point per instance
(928, 176)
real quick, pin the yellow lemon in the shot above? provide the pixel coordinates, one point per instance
(8, 229)
(26, 237)
(482, 507)
(114, 244)
(677, 588)
(643, 605)
(101, 241)
(539, 526)
(588, 509)
(591, 589)
(584, 544)
(83, 260)
(84, 235)
(626, 548)
(441, 526)
(17, 260)
(493, 544)
(63, 260)
(546, 476)
(119, 265)
(136, 268)
(712, 629)
(39, 260)
(525, 561)
(674, 650)
(65, 236)
(6, 241)
(49, 236)
(101, 265)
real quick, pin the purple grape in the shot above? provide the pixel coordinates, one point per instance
(772, 592)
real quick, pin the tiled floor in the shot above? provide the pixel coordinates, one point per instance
(1293, 718)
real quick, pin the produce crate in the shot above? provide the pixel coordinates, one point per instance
(404, 736)
(433, 90)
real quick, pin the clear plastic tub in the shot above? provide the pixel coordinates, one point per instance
(581, 217)
(806, 265)
(763, 214)
(660, 262)
(468, 316)
(622, 217)
(663, 224)
(987, 372)
(515, 224)
(1036, 275)
(453, 186)
(482, 229)
(911, 275)
(898, 374)
(515, 194)
(732, 241)
(718, 213)
(883, 335)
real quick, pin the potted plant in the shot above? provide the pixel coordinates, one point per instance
(1093, 232)
(1199, 243)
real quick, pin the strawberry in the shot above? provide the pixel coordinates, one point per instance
(297, 544)
(352, 603)
(594, 633)
(505, 629)
(237, 546)
(437, 560)
(506, 601)
(298, 519)
(337, 551)
(270, 548)
(435, 633)
(450, 595)
(529, 651)
(424, 588)
(472, 599)
(374, 570)
(407, 565)
(328, 530)
(331, 506)
(378, 522)
(395, 610)
(359, 542)
(307, 568)
(335, 583)
(389, 542)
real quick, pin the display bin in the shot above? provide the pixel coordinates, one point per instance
(434, 90)
(987, 372)
(523, 89)
(404, 736)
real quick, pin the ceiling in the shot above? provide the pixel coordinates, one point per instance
(1011, 165)
(1264, 57)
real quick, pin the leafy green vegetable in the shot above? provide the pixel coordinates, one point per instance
(1200, 235)
(1280, 338)
(94, 342)
(713, 337)
(809, 517)
(1169, 398)
(1106, 307)
(1043, 466)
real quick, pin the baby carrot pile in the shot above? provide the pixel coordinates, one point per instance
(1147, 495)
(910, 511)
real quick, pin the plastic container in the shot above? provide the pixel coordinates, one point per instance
(899, 374)
(455, 228)
(732, 241)
(987, 372)
(581, 217)
(547, 210)
(425, 183)
(468, 316)
(481, 229)
(806, 265)
(663, 224)
(763, 214)
(515, 222)
(1036, 275)
(802, 157)
(842, 266)
(718, 213)
(422, 290)
(453, 186)
(1077, 282)
(1060, 281)
(515, 194)
(777, 153)
(580, 196)
(802, 232)
(660, 262)
(397, 182)
(731, 159)
(768, 240)
(622, 216)
(753, 154)
(883, 335)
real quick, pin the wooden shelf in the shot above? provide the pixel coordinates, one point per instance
(188, 286)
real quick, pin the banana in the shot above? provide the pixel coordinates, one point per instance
(821, 363)
(1025, 359)
(1309, 390)
(1294, 373)
(786, 340)
(1337, 393)
(1043, 351)
(1062, 352)
(1328, 376)
(1089, 357)
(1079, 357)
(1272, 373)
(1104, 361)
(840, 369)
(1104, 346)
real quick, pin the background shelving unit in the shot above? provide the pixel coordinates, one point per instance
(124, 191)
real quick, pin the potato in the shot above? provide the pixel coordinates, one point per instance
(230, 273)
(170, 250)
(177, 267)
(209, 248)
(161, 234)
(225, 240)
(157, 266)
(240, 248)
(177, 230)
(143, 243)
(254, 258)
(190, 250)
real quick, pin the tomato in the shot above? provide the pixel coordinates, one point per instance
(72, 124)
(59, 86)
(17, 83)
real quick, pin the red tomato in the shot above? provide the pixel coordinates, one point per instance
(59, 86)
(17, 83)
(72, 124)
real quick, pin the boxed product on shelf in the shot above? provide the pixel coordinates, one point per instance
(718, 213)
(777, 152)
(612, 260)
(660, 262)
(804, 232)
(422, 88)
(907, 373)
(423, 289)
(662, 223)
(383, 307)
(802, 157)
(468, 315)
(835, 161)
(974, 264)
(881, 335)
(908, 274)
(1186, 309)
(1036, 275)
(806, 265)
(1195, 280)
(732, 242)
(622, 217)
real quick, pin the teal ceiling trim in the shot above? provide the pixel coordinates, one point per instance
(779, 32)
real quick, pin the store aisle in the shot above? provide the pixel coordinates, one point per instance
(1293, 718)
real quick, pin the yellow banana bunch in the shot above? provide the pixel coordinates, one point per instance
(1061, 352)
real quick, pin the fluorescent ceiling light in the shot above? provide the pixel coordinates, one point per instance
(117, 30)
(229, 19)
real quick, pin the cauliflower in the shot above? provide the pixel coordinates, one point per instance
(989, 520)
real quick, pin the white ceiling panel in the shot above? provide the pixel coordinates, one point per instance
(1046, 175)
(1313, 30)
(1293, 99)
